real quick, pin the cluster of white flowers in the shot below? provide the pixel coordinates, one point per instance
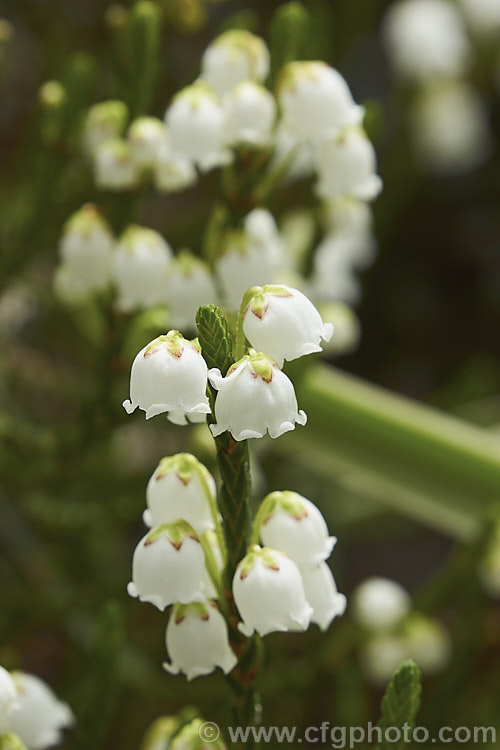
(428, 46)
(284, 585)
(31, 711)
(169, 375)
(309, 125)
(139, 265)
(171, 565)
(395, 632)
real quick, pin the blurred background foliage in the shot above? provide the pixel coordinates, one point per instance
(73, 469)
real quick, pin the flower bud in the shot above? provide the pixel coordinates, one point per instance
(255, 397)
(426, 39)
(316, 100)
(168, 566)
(197, 124)
(294, 525)
(146, 136)
(197, 640)
(178, 488)
(250, 257)
(450, 128)
(104, 121)
(159, 735)
(251, 113)
(380, 604)
(114, 167)
(269, 593)
(282, 322)
(321, 593)
(233, 57)
(428, 643)
(347, 166)
(483, 16)
(172, 171)
(381, 655)
(189, 285)
(140, 262)
(85, 248)
(8, 695)
(333, 277)
(39, 717)
(346, 326)
(169, 375)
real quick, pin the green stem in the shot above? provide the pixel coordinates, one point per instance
(214, 512)
(257, 522)
(213, 572)
(240, 347)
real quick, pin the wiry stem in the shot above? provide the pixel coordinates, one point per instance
(234, 502)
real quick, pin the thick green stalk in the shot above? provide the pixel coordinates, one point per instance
(234, 505)
(384, 447)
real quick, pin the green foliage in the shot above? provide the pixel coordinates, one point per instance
(143, 55)
(401, 702)
(100, 685)
(288, 33)
(214, 337)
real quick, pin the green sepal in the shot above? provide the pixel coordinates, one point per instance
(401, 702)
(175, 531)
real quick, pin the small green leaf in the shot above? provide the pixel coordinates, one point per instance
(215, 340)
(400, 703)
(288, 32)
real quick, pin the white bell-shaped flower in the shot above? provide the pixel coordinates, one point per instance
(333, 277)
(348, 216)
(180, 487)
(346, 326)
(294, 525)
(255, 397)
(8, 696)
(450, 128)
(380, 604)
(85, 248)
(114, 165)
(139, 263)
(172, 171)
(197, 124)
(316, 100)
(197, 640)
(428, 643)
(426, 38)
(269, 593)
(68, 285)
(291, 149)
(381, 655)
(233, 57)
(483, 16)
(169, 375)
(189, 285)
(168, 566)
(284, 323)
(146, 136)
(104, 121)
(38, 717)
(321, 593)
(250, 257)
(347, 166)
(251, 113)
